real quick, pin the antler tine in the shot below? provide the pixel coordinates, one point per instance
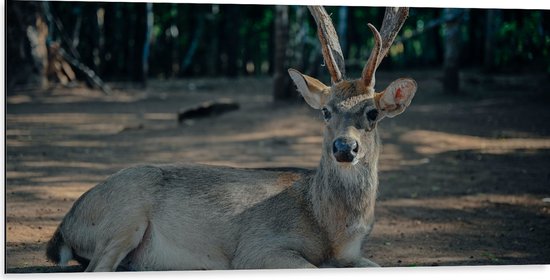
(332, 53)
(393, 21)
(394, 17)
(374, 58)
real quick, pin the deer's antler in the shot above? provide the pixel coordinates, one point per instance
(393, 21)
(332, 53)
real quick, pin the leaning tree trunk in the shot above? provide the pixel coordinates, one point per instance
(451, 79)
(27, 52)
(281, 80)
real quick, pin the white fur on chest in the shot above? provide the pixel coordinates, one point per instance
(350, 248)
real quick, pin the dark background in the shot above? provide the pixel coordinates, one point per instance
(134, 42)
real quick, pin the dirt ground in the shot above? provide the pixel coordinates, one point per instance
(462, 179)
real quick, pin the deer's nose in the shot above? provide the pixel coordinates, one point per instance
(344, 149)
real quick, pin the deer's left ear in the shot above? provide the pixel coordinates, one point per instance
(396, 97)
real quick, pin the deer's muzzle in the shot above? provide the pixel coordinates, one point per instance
(344, 149)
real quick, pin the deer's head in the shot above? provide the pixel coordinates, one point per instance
(352, 108)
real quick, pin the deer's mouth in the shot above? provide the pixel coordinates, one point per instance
(344, 150)
(346, 161)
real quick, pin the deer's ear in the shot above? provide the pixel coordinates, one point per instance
(396, 97)
(314, 92)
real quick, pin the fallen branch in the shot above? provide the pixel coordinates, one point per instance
(208, 109)
(92, 76)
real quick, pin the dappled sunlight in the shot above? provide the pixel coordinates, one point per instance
(459, 229)
(254, 136)
(22, 174)
(65, 164)
(29, 232)
(68, 118)
(71, 123)
(70, 191)
(434, 142)
(18, 132)
(467, 202)
(33, 212)
(390, 157)
(72, 95)
(54, 190)
(80, 143)
(67, 178)
(440, 186)
(18, 99)
(315, 141)
(18, 143)
(160, 116)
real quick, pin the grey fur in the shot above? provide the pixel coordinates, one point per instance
(189, 216)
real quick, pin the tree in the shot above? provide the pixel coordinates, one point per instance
(27, 59)
(281, 80)
(451, 79)
(491, 27)
(230, 39)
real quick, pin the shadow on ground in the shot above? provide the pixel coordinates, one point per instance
(461, 178)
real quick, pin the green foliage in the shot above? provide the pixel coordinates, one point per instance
(522, 38)
(526, 41)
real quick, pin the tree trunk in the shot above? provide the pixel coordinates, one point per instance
(147, 43)
(27, 53)
(230, 39)
(343, 29)
(491, 26)
(212, 59)
(451, 79)
(281, 80)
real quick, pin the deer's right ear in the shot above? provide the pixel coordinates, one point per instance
(314, 91)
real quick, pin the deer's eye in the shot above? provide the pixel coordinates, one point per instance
(326, 114)
(372, 115)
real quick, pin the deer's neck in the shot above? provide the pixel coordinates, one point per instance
(343, 197)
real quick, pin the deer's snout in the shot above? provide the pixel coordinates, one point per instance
(345, 149)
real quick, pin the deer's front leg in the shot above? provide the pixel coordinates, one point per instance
(363, 262)
(272, 259)
(287, 259)
(349, 254)
(359, 262)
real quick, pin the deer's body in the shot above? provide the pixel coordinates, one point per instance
(195, 217)
(182, 216)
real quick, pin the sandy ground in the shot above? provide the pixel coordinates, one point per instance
(462, 179)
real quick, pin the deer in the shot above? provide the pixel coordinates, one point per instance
(185, 216)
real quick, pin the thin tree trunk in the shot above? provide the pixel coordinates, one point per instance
(301, 33)
(343, 29)
(230, 37)
(193, 46)
(37, 34)
(451, 79)
(281, 80)
(491, 26)
(147, 43)
(212, 60)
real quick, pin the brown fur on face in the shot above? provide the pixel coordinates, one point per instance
(348, 88)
